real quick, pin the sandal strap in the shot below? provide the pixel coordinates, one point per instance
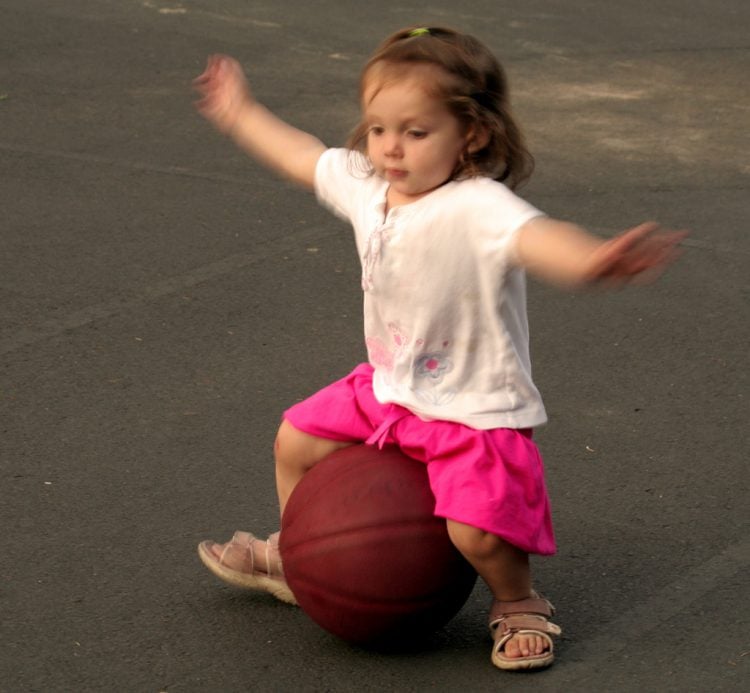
(531, 614)
(243, 541)
(273, 543)
(531, 605)
(525, 622)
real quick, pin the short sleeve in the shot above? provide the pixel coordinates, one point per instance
(500, 214)
(336, 185)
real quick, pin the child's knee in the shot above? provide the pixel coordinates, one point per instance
(289, 442)
(295, 448)
(474, 542)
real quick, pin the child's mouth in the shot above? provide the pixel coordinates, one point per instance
(395, 173)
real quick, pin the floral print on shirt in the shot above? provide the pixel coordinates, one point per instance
(432, 366)
(428, 369)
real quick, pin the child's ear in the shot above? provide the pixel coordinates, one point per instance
(477, 138)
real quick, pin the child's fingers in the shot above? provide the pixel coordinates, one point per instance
(649, 233)
(632, 237)
(211, 73)
(615, 257)
(209, 85)
(656, 251)
(207, 71)
(211, 105)
(223, 91)
(640, 254)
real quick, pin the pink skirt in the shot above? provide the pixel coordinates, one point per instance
(489, 479)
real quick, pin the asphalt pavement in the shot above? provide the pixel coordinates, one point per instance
(163, 299)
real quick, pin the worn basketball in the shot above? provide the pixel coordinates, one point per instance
(363, 553)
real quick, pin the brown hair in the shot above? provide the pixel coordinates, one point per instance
(475, 89)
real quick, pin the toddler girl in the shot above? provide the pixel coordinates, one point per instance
(426, 181)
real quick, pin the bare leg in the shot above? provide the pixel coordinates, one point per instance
(253, 563)
(505, 569)
(296, 453)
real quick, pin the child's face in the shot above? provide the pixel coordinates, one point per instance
(413, 140)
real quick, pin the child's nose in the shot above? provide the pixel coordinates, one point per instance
(392, 145)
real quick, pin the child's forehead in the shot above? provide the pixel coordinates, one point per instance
(423, 76)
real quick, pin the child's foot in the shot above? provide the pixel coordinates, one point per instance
(522, 630)
(249, 563)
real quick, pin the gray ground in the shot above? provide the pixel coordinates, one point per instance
(163, 299)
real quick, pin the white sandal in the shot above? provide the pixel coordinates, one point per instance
(528, 616)
(234, 563)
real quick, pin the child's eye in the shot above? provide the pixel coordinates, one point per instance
(417, 134)
(375, 130)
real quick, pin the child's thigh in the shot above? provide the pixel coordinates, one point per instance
(297, 448)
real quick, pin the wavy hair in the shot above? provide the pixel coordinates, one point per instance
(473, 86)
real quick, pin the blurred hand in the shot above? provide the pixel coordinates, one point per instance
(639, 254)
(224, 92)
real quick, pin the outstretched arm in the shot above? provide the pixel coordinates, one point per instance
(226, 101)
(566, 254)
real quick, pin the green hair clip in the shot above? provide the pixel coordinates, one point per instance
(422, 31)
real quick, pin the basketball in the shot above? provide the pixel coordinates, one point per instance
(363, 553)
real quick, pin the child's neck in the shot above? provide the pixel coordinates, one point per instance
(395, 199)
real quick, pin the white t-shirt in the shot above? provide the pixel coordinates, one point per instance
(444, 302)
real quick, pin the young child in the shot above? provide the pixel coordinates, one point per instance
(426, 181)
